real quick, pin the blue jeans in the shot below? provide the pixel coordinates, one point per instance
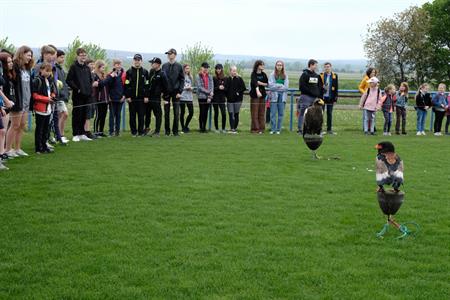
(115, 111)
(329, 108)
(421, 116)
(305, 101)
(387, 121)
(277, 109)
(369, 118)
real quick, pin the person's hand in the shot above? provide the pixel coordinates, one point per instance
(122, 99)
(145, 100)
(258, 93)
(51, 100)
(360, 107)
(221, 87)
(2, 112)
(427, 107)
(209, 100)
(95, 84)
(8, 103)
(178, 96)
(166, 102)
(113, 74)
(129, 100)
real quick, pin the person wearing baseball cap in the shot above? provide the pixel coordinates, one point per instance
(156, 87)
(205, 92)
(136, 84)
(175, 85)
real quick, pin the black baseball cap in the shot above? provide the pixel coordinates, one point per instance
(205, 65)
(137, 57)
(155, 60)
(170, 51)
(219, 66)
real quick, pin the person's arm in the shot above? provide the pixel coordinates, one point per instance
(6, 101)
(181, 80)
(363, 85)
(336, 91)
(253, 80)
(321, 89)
(200, 85)
(126, 89)
(272, 83)
(71, 80)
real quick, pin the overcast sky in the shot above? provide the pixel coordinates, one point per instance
(280, 28)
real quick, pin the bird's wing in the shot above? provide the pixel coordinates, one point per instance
(399, 172)
(382, 172)
(306, 121)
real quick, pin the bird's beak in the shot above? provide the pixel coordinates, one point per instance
(378, 146)
(321, 102)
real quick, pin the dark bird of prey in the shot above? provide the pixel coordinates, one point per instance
(312, 126)
(389, 167)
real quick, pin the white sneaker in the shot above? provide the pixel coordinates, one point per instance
(84, 138)
(423, 133)
(12, 153)
(49, 146)
(64, 140)
(278, 132)
(76, 138)
(419, 133)
(437, 134)
(3, 167)
(272, 132)
(20, 152)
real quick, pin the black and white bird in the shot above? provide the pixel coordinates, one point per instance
(389, 167)
(312, 126)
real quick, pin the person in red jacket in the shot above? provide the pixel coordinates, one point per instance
(43, 96)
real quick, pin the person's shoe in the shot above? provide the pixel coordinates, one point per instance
(423, 133)
(372, 133)
(389, 134)
(366, 133)
(217, 131)
(331, 132)
(85, 138)
(3, 167)
(176, 134)
(48, 151)
(167, 134)
(64, 140)
(49, 146)
(89, 135)
(52, 141)
(404, 133)
(146, 131)
(397, 132)
(437, 134)
(272, 132)
(117, 133)
(299, 132)
(278, 132)
(156, 134)
(419, 133)
(134, 135)
(20, 152)
(260, 132)
(76, 138)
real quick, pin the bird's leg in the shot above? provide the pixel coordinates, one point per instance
(315, 156)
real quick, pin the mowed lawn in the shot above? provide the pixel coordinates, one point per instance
(210, 216)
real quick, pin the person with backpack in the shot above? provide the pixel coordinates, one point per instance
(387, 105)
(44, 92)
(369, 103)
(311, 88)
(22, 64)
(101, 96)
(136, 85)
(157, 86)
(80, 80)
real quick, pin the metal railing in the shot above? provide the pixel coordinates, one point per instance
(292, 93)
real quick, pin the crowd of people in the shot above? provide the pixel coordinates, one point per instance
(44, 89)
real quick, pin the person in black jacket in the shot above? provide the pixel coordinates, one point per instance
(235, 88)
(157, 87)
(330, 93)
(175, 86)
(116, 97)
(79, 79)
(218, 100)
(136, 94)
(311, 87)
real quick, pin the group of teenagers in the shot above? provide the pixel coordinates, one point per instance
(390, 102)
(43, 88)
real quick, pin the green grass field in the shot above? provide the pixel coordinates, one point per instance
(223, 217)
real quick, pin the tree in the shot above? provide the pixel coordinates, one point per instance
(94, 51)
(439, 38)
(196, 55)
(398, 46)
(4, 44)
